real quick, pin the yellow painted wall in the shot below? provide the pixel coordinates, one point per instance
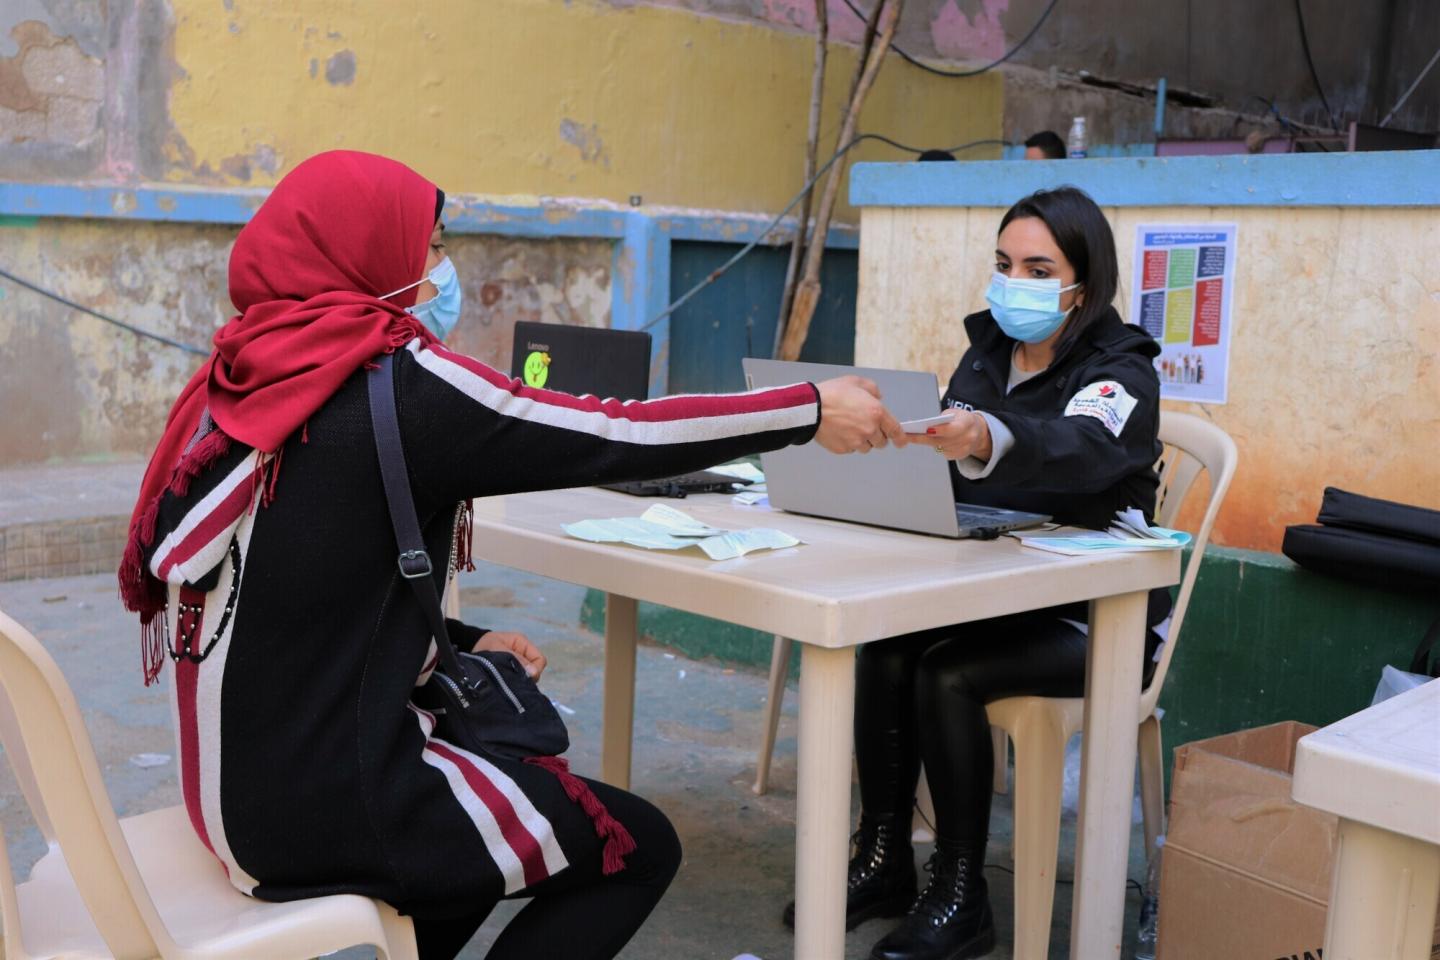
(530, 98)
(1333, 356)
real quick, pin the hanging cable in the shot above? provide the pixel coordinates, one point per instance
(720, 271)
(963, 73)
(36, 288)
(1305, 45)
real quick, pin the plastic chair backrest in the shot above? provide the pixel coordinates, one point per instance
(53, 752)
(1193, 444)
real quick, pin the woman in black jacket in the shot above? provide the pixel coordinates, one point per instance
(1056, 407)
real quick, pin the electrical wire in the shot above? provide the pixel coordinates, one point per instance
(1305, 45)
(962, 73)
(769, 228)
(36, 288)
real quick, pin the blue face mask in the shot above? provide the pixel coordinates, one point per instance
(441, 312)
(1027, 310)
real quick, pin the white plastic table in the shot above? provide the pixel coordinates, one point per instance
(846, 586)
(1379, 772)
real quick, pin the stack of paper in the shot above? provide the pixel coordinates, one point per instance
(1129, 532)
(753, 494)
(665, 528)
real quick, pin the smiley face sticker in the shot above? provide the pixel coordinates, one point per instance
(537, 369)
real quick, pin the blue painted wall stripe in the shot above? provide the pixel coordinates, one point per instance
(640, 290)
(1387, 179)
(180, 205)
(463, 214)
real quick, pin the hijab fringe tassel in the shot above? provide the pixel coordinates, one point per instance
(618, 841)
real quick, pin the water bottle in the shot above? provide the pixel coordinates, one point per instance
(1150, 906)
(1075, 142)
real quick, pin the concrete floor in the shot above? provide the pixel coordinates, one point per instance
(696, 727)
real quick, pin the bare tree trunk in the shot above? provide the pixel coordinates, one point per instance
(817, 98)
(807, 294)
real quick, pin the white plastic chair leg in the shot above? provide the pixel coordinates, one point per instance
(779, 671)
(922, 823)
(1152, 781)
(1039, 773)
(1001, 742)
(399, 935)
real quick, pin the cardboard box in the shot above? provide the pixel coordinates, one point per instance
(1246, 870)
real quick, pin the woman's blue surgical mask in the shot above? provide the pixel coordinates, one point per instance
(441, 312)
(1027, 310)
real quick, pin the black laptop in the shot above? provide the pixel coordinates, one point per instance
(604, 363)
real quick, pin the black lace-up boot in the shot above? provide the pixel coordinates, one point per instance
(882, 872)
(950, 919)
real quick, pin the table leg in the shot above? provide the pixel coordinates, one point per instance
(822, 821)
(618, 715)
(1107, 774)
(1382, 895)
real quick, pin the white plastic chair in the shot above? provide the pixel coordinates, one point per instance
(1040, 727)
(143, 886)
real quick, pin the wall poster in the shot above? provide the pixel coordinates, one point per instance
(1184, 282)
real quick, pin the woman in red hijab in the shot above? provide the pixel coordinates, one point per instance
(262, 561)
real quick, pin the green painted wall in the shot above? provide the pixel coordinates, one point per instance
(1264, 641)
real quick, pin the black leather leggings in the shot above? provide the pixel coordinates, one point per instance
(922, 696)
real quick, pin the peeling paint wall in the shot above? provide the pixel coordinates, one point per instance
(1333, 378)
(530, 98)
(76, 387)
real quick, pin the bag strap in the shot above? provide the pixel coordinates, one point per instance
(413, 561)
(1420, 662)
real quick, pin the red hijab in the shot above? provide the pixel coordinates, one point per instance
(306, 273)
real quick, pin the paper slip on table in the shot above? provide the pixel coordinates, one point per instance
(847, 585)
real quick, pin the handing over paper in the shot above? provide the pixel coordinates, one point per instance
(665, 528)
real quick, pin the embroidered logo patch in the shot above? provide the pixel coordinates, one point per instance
(1106, 401)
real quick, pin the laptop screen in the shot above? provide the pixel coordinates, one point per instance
(606, 363)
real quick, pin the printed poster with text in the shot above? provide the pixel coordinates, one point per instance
(1184, 278)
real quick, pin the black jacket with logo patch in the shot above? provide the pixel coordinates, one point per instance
(1079, 467)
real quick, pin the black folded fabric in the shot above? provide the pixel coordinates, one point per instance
(1395, 562)
(1340, 508)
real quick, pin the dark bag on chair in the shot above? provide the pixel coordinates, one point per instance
(1372, 541)
(484, 702)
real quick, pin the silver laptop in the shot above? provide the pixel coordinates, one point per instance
(905, 489)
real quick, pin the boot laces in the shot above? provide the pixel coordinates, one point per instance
(872, 848)
(944, 893)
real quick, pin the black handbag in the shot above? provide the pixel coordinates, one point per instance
(484, 702)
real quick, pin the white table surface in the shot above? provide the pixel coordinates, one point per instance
(847, 585)
(1379, 772)
(1380, 766)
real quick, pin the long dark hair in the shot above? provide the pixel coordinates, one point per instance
(1083, 234)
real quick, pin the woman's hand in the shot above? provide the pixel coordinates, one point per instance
(966, 435)
(501, 641)
(852, 418)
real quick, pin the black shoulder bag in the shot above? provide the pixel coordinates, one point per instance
(484, 702)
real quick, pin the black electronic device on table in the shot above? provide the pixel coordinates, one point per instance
(603, 363)
(593, 360)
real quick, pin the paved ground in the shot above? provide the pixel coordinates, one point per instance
(696, 727)
(69, 491)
